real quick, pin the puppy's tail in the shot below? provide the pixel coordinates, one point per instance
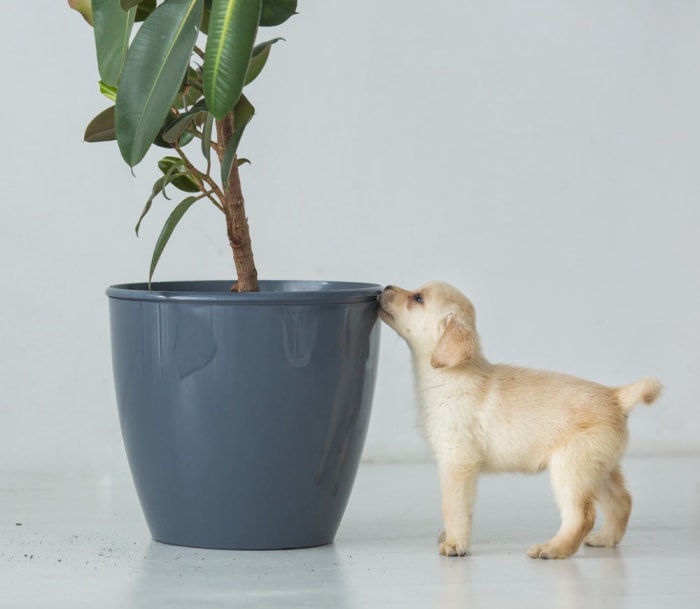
(646, 390)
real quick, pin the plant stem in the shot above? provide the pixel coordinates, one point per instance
(203, 178)
(236, 220)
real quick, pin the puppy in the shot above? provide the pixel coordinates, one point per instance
(482, 417)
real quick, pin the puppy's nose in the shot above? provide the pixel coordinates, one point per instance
(387, 295)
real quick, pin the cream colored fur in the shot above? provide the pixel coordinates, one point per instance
(482, 417)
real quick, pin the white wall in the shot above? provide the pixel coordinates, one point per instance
(541, 155)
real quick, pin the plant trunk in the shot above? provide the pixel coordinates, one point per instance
(236, 220)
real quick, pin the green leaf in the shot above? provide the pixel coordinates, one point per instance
(144, 9)
(275, 12)
(232, 28)
(158, 187)
(185, 138)
(168, 162)
(112, 31)
(167, 178)
(84, 7)
(167, 231)
(195, 83)
(191, 90)
(206, 136)
(179, 127)
(171, 174)
(257, 62)
(109, 92)
(101, 128)
(242, 114)
(155, 67)
(183, 180)
(205, 19)
(176, 172)
(175, 128)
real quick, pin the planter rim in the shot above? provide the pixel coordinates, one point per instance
(271, 292)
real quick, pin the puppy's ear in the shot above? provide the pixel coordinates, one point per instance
(455, 346)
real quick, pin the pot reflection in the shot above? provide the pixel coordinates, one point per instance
(169, 575)
(194, 342)
(299, 327)
(349, 395)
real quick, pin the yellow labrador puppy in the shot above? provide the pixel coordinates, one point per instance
(482, 417)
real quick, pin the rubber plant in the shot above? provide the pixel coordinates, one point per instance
(175, 71)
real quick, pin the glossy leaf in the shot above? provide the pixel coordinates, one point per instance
(169, 176)
(158, 187)
(144, 9)
(101, 128)
(128, 4)
(109, 92)
(205, 19)
(183, 181)
(232, 28)
(167, 231)
(176, 171)
(191, 90)
(185, 138)
(84, 7)
(257, 62)
(275, 12)
(155, 66)
(242, 114)
(177, 128)
(112, 27)
(206, 136)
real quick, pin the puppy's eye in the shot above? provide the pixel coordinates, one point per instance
(418, 298)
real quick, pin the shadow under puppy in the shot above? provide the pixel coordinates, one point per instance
(482, 417)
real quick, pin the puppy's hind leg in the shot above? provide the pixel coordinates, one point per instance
(574, 481)
(458, 489)
(616, 503)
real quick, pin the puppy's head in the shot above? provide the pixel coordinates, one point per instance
(437, 321)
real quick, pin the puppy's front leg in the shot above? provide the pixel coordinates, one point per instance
(458, 488)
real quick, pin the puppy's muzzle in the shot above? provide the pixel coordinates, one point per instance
(387, 296)
(385, 299)
(389, 291)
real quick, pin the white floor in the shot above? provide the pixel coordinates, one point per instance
(83, 543)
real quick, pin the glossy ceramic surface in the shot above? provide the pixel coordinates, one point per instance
(244, 415)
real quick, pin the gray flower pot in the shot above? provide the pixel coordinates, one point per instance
(244, 415)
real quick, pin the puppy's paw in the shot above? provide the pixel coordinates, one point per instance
(547, 551)
(447, 546)
(601, 540)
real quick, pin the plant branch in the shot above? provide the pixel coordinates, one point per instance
(203, 178)
(236, 220)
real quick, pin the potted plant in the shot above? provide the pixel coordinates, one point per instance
(243, 404)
